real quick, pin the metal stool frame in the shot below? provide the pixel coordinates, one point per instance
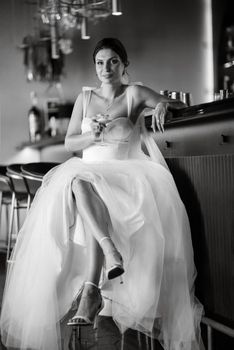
(5, 196)
(211, 325)
(19, 200)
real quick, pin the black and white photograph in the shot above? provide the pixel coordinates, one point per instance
(116, 175)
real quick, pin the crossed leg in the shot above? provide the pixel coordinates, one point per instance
(95, 218)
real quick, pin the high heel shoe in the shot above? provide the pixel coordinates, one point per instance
(114, 265)
(74, 306)
(91, 304)
(114, 261)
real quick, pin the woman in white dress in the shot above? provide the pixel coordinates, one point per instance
(105, 231)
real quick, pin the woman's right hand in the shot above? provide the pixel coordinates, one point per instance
(159, 116)
(97, 128)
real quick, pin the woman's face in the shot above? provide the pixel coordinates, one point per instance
(109, 66)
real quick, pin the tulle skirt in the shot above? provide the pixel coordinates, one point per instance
(150, 228)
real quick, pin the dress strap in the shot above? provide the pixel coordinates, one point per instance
(129, 96)
(129, 100)
(86, 99)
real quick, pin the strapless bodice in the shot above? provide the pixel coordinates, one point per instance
(117, 130)
(116, 141)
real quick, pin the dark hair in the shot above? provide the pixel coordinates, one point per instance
(113, 44)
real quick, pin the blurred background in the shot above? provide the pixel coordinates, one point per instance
(184, 47)
(175, 45)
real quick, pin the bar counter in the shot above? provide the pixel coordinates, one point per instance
(199, 130)
(204, 119)
(198, 145)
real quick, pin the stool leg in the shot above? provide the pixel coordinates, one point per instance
(0, 211)
(7, 222)
(209, 337)
(16, 217)
(28, 202)
(29, 198)
(10, 227)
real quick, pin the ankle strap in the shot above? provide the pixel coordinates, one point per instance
(92, 284)
(102, 239)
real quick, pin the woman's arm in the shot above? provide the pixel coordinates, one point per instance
(145, 97)
(74, 140)
(150, 98)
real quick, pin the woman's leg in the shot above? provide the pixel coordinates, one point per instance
(90, 301)
(91, 208)
(94, 259)
(96, 217)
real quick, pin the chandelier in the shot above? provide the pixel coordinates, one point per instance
(62, 15)
(44, 50)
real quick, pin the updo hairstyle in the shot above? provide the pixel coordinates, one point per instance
(113, 44)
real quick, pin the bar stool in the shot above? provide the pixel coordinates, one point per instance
(5, 200)
(20, 199)
(36, 171)
(33, 174)
(24, 179)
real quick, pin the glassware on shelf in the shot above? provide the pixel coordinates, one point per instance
(185, 97)
(222, 94)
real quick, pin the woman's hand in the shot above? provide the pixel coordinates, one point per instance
(159, 116)
(98, 125)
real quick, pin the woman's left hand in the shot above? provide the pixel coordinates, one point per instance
(159, 116)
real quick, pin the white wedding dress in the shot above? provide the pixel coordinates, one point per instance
(149, 226)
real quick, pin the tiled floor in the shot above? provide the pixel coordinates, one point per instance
(105, 337)
(2, 282)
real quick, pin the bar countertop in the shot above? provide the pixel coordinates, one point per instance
(193, 114)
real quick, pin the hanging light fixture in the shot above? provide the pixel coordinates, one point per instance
(116, 8)
(57, 17)
(84, 29)
(53, 33)
(76, 14)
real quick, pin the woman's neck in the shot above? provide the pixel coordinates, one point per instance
(110, 91)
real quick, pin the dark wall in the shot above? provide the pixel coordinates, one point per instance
(223, 16)
(166, 43)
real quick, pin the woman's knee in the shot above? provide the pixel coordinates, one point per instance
(80, 186)
(85, 189)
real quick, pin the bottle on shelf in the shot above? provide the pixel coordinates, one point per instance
(53, 123)
(35, 120)
(229, 46)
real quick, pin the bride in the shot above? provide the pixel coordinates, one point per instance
(106, 234)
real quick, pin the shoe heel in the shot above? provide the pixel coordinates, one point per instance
(121, 280)
(95, 322)
(114, 272)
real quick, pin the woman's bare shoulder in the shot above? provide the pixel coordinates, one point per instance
(138, 89)
(138, 92)
(79, 97)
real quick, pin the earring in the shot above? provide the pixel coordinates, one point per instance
(125, 77)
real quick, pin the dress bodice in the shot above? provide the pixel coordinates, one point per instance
(121, 136)
(116, 143)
